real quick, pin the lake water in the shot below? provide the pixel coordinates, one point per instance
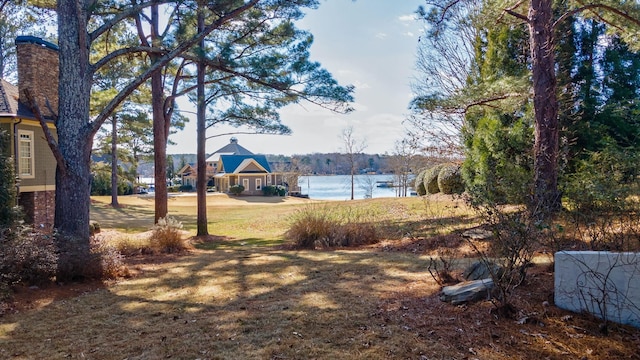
(335, 187)
(338, 187)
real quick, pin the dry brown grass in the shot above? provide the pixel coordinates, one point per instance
(229, 299)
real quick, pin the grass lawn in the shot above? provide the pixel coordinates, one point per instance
(246, 296)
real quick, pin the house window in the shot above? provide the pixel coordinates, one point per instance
(25, 154)
(245, 184)
(268, 179)
(258, 184)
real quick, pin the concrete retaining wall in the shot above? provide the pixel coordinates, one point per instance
(602, 283)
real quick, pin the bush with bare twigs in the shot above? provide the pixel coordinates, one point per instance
(107, 261)
(442, 267)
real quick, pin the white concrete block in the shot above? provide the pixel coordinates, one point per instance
(602, 283)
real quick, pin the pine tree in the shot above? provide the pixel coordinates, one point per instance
(498, 138)
(9, 212)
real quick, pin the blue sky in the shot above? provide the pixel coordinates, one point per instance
(367, 43)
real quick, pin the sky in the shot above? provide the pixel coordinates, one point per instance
(370, 44)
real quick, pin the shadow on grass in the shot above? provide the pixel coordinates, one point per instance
(265, 303)
(214, 242)
(138, 218)
(236, 302)
(398, 229)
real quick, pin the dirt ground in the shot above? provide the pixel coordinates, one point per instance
(535, 330)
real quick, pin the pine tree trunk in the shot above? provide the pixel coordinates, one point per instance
(75, 139)
(159, 146)
(160, 135)
(201, 184)
(114, 162)
(546, 199)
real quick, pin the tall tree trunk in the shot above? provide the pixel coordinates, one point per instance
(159, 146)
(201, 184)
(546, 198)
(75, 139)
(114, 161)
(352, 180)
(160, 134)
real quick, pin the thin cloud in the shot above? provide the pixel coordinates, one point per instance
(406, 19)
(361, 85)
(381, 36)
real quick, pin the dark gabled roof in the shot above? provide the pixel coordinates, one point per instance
(8, 99)
(9, 104)
(233, 148)
(231, 162)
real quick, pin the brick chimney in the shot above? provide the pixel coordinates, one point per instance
(38, 64)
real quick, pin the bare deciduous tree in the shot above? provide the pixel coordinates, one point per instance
(352, 147)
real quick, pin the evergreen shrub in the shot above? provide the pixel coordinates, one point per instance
(430, 180)
(269, 190)
(450, 179)
(236, 189)
(418, 183)
(9, 212)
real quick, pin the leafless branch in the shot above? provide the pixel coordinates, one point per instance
(611, 9)
(51, 141)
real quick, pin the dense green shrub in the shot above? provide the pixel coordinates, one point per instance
(186, 188)
(282, 191)
(602, 182)
(498, 167)
(601, 197)
(450, 179)
(173, 189)
(418, 183)
(430, 179)
(166, 236)
(269, 190)
(236, 189)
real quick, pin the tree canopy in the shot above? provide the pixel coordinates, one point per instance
(539, 88)
(88, 46)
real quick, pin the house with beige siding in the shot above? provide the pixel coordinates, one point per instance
(34, 162)
(234, 165)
